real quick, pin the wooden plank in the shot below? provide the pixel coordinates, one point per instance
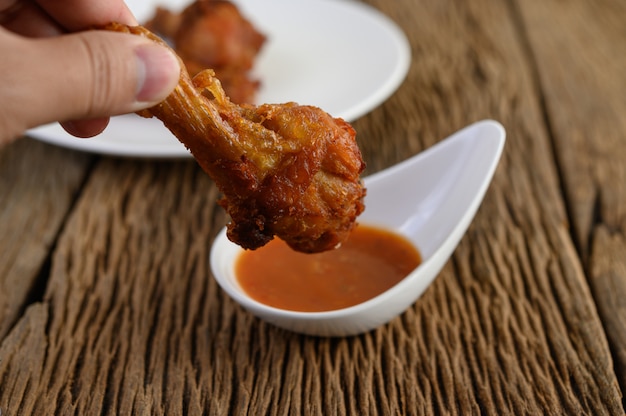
(131, 322)
(580, 54)
(139, 235)
(35, 202)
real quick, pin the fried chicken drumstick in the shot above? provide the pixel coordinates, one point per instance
(285, 170)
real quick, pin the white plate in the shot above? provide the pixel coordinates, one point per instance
(340, 55)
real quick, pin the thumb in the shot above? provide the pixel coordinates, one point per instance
(84, 75)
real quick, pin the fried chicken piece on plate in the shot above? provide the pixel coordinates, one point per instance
(214, 34)
(285, 170)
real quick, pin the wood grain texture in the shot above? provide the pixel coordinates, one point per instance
(580, 54)
(34, 206)
(132, 323)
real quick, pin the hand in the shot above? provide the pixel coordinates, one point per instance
(54, 69)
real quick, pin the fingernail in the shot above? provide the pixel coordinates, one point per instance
(158, 72)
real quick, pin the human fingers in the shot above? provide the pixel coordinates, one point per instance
(27, 18)
(75, 15)
(86, 128)
(52, 17)
(87, 75)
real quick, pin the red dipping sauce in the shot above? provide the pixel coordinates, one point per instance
(371, 261)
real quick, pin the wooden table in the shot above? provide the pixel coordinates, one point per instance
(108, 305)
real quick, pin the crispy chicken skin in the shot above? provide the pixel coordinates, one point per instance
(285, 170)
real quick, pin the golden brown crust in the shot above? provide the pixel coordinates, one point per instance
(285, 170)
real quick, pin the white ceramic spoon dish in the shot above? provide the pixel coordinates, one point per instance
(430, 198)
